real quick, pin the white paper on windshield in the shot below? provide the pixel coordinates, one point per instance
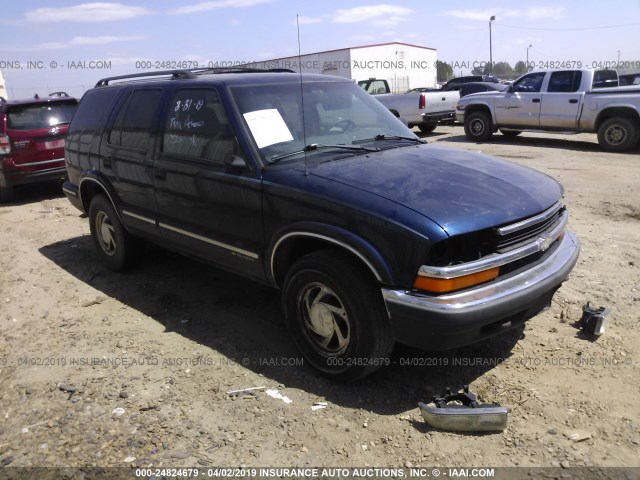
(268, 127)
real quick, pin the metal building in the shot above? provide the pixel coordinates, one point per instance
(403, 65)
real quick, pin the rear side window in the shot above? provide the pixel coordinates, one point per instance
(605, 78)
(565, 81)
(133, 123)
(40, 116)
(197, 126)
(92, 109)
(376, 87)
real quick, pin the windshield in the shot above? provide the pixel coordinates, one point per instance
(335, 114)
(39, 116)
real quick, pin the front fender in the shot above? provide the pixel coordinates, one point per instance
(282, 247)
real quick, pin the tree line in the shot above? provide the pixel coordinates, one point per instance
(500, 69)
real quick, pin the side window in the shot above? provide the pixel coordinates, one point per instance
(93, 106)
(133, 123)
(472, 89)
(565, 82)
(530, 83)
(197, 126)
(605, 78)
(376, 87)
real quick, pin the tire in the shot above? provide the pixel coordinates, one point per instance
(427, 127)
(477, 126)
(6, 194)
(117, 249)
(618, 134)
(510, 133)
(335, 313)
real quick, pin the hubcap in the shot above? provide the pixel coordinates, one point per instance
(325, 320)
(616, 135)
(477, 127)
(105, 233)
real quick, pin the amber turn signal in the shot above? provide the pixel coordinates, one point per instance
(441, 285)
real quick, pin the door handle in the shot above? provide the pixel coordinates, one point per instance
(106, 163)
(159, 173)
(573, 100)
(536, 100)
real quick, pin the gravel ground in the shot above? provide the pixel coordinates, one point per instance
(105, 369)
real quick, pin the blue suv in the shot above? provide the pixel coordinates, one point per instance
(308, 184)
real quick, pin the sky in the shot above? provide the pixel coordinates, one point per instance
(69, 45)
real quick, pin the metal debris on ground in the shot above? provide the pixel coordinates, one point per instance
(461, 412)
(244, 391)
(593, 320)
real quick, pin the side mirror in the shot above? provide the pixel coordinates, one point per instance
(510, 89)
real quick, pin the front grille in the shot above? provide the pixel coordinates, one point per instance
(529, 232)
(502, 239)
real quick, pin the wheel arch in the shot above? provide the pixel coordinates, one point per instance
(295, 243)
(89, 187)
(620, 111)
(469, 109)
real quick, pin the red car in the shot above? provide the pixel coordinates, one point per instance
(32, 133)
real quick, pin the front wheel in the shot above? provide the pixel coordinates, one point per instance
(618, 134)
(117, 249)
(336, 316)
(477, 126)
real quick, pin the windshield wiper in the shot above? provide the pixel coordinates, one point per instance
(383, 136)
(319, 146)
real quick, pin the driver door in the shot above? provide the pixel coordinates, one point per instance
(521, 104)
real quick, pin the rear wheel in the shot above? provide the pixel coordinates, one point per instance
(336, 315)
(117, 249)
(477, 126)
(427, 127)
(618, 134)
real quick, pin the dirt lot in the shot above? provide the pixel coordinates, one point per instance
(167, 341)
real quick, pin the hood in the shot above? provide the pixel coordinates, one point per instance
(488, 94)
(459, 190)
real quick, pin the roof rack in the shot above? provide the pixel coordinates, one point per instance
(190, 73)
(175, 74)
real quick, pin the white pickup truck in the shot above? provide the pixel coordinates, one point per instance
(557, 101)
(423, 109)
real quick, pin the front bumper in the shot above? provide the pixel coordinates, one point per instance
(461, 318)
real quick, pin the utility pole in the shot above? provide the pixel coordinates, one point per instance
(493, 17)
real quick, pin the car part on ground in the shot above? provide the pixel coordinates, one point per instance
(461, 412)
(594, 320)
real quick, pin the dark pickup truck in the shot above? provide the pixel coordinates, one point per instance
(308, 184)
